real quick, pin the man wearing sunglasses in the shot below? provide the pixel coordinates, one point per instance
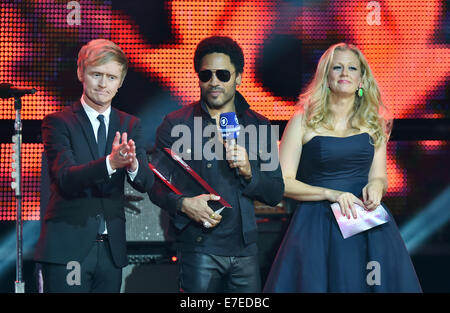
(217, 252)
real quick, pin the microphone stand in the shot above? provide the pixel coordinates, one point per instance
(17, 186)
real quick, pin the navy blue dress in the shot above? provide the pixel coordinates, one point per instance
(314, 257)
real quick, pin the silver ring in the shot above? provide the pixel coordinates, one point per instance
(206, 224)
(122, 154)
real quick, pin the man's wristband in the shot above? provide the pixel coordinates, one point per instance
(179, 203)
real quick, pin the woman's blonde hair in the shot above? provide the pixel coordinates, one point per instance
(368, 110)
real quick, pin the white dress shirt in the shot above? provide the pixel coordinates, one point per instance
(92, 115)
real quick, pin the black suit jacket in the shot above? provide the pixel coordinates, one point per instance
(81, 188)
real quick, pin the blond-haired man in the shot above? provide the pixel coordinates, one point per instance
(90, 148)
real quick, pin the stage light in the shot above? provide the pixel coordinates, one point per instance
(31, 172)
(31, 230)
(430, 219)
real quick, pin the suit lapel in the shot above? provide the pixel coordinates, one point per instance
(114, 125)
(86, 128)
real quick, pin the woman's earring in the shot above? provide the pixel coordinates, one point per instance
(360, 90)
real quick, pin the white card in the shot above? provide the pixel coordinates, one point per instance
(365, 219)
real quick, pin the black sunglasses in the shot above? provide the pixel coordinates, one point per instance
(222, 75)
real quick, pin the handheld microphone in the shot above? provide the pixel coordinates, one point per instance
(229, 128)
(7, 90)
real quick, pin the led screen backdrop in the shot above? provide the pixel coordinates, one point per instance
(405, 43)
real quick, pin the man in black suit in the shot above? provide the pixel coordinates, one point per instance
(90, 148)
(218, 252)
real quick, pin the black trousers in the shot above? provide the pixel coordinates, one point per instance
(201, 273)
(96, 273)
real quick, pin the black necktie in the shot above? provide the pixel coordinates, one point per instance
(101, 142)
(101, 136)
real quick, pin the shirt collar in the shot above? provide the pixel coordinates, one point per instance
(92, 114)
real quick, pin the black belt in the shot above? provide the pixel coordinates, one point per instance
(101, 237)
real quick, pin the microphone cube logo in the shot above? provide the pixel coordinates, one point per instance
(223, 121)
(229, 125)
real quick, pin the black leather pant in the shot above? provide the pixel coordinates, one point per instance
(200, 272)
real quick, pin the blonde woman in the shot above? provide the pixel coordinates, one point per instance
(334, 150)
